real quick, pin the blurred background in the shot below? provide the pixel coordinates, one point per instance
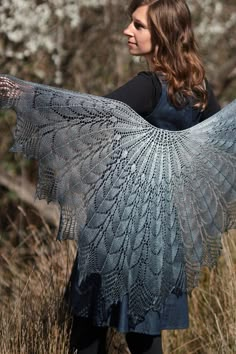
(79, 45)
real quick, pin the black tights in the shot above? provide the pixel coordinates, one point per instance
(88, 339)
(143, 344)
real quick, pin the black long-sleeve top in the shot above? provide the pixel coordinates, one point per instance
(143, 92)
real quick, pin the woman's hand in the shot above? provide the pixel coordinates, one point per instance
(9, 91)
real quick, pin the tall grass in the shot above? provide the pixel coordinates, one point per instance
(212, 310)
(33, 274)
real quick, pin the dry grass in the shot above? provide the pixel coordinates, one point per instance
(34, 271)
(212, 310)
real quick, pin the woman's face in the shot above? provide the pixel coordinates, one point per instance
(138, 33)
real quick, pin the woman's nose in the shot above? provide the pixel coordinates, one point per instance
(128, 31)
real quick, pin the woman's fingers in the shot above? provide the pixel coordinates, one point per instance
(9, 92)
(8, 88)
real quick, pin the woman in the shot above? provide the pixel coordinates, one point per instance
(174, 95)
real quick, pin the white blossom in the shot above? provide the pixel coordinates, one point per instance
(33, 26)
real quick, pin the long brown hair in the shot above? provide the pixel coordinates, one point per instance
(176, 55)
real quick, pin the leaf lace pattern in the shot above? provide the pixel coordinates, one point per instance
(147, 206)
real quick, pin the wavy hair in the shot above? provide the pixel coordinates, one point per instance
(175, 53)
